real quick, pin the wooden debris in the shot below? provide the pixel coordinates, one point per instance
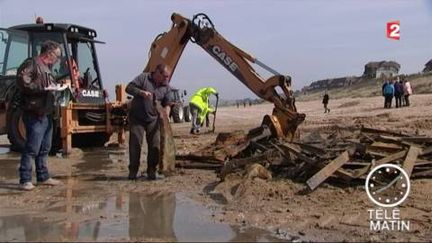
(410, 159)
(345, 175)
(378, 131)
(313, 160)
(391, 158)
(386, 146)
(327, 171)
(426, 151)
(234, 164)
(417, 140)
(167, 146)
(427, 173)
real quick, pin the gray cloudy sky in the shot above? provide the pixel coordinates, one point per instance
(308, 40)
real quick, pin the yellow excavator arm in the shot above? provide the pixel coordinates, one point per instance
(168, 47)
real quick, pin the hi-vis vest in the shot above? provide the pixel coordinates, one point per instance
(201, 100)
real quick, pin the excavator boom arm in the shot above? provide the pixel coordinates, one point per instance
(168, 47)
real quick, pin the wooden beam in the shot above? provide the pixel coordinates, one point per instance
(426, 151)
(376, 154)
(358, 173)
(327, 171)
(420, 162)
(387, 146)
(410, 159)
(296, 150)
(377, 131)
(345, 175)
(310, 149)
(391, 157)
(389, 139)
(426, 173)
(417, 139)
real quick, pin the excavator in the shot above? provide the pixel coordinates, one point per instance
(90, 119)
(168, 47)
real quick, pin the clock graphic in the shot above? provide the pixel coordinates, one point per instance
(387, 185)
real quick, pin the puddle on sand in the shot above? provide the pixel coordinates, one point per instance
(128, 217)
(100, 159)
(95, 160)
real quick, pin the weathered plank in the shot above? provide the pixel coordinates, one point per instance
(386, 138)
(358, 173)
(417, 139)
(231, 165)
(344, 175)
(421, 162)
(379, 154)
(390, 158)
(311, 149)
(167, 146)
(383, 145)
(426, 173)
(410, 159)
(378, 131)
(297, 152)
(426, 151)
(327, 171)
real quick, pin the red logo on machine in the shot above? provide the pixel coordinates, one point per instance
(393, 30)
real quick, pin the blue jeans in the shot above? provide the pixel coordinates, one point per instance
(38, 144)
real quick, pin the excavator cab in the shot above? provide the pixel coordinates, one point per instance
(78, 67)
(78, 53)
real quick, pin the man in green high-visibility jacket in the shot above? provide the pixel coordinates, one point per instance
(199, 107)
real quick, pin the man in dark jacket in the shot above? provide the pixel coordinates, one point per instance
(398, 93)
(34, 78)
(325, 102)
(146, 89)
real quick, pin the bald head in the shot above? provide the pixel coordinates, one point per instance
(161, 74)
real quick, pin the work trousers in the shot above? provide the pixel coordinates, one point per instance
(326, 109)
(136, 136)
(407, 102)
(388, 101)
(196, 123)
(398, 99)
(38, 144)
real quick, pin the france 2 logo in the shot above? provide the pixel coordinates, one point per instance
(393, 30)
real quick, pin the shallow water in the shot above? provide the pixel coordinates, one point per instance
(127, 217)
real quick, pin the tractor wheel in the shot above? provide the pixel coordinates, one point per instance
(177, 114)
(16, 132)
(84, 140)
(15, 129)
(187, 114)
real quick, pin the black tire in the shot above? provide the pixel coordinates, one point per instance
(177, 113)
(85, 140)
(187, 114)
(15, 129)
(17, 132)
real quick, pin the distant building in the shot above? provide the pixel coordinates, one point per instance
(381, 69)
(428, 67)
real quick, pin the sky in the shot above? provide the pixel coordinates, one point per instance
(308, 40)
